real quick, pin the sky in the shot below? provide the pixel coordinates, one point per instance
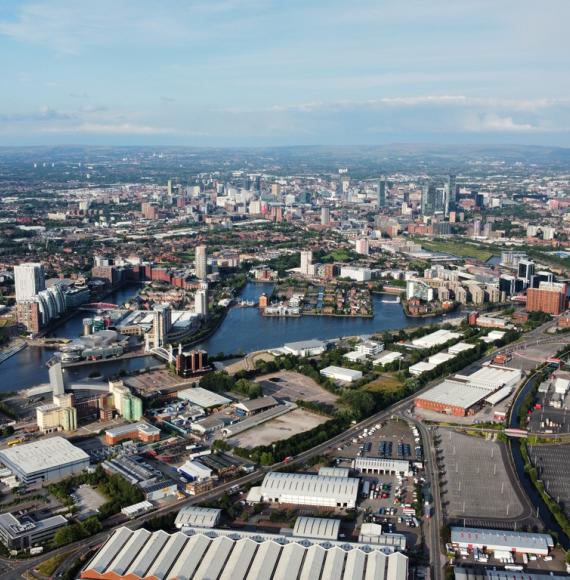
(284, 72)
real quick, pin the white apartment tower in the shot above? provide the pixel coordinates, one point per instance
(201, 301)
(201, 265)
(29, 280)
(307, 268)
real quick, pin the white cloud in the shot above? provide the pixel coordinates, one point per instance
(500, 124)
(109, 129)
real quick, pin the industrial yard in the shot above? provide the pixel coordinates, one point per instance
(283, 427)
(292, 386)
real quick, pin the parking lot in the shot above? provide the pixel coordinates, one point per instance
(292, 386)
(387, 499)
(553, 465)
(475, 482)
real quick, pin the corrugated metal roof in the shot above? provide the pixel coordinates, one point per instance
(355, 563)
(320, 528)
(334, 564)
(239, 561)
(290, 562)
(376, 566)
(227, 556)
(197, 517)
(264, 562)
(506, 538)
(302, 484)
(214, 559)
(334, 471)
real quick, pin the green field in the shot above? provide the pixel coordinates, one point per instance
(459, 249)
(387, 382)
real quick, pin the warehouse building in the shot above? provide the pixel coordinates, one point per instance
(436, 338)
(489, 574)
(305, 489)
(305, 348)
(501, 541)
(334, 471)
(140, 431)
(379, 466)
(44, 461)
(229, 555)
(197, 517)
(316, 528)
(203, 398)
(464, 394)
(254, 406)
(341, 374)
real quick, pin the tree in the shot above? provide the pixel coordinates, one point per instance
(266, 458)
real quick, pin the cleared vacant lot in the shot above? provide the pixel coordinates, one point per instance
(386, 382)
(477, 484)
(292, 386)
(552, 464)
(283, 427)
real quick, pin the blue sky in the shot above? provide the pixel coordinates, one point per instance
(286, 72)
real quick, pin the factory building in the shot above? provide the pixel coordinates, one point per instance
(140, 431)
(316, 528)
(463, 394)
(501, 541)
(197, 517)
(228, 555)
(380, 466)
(44, 461)
(341, 374)
(305, 489)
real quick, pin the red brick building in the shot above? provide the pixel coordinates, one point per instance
(549, 298)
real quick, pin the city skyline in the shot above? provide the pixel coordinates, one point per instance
(239, 73)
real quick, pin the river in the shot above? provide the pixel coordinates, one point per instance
(243, 330)
(27, 368)
(524, 479)
(246, 330)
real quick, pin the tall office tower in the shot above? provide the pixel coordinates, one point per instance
(450, 193)
(382, 192)
(257, 183)
(307, 263)
(56, 380)
(275, 190)
(169, 188)
(325, 216)
(201, 265)
(29, 280)
(162, 322)
(526, 269)
(201, 301)
(476, 228)
(429, 194)
(345, 184)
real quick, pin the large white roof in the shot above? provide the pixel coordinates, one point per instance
(318, 528)
(203, 397)
(306, 485)
(455, 394)
(228, 555)
(501, 538)
(197, 517)
(43, 455)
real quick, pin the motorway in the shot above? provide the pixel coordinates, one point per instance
(21, 567)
